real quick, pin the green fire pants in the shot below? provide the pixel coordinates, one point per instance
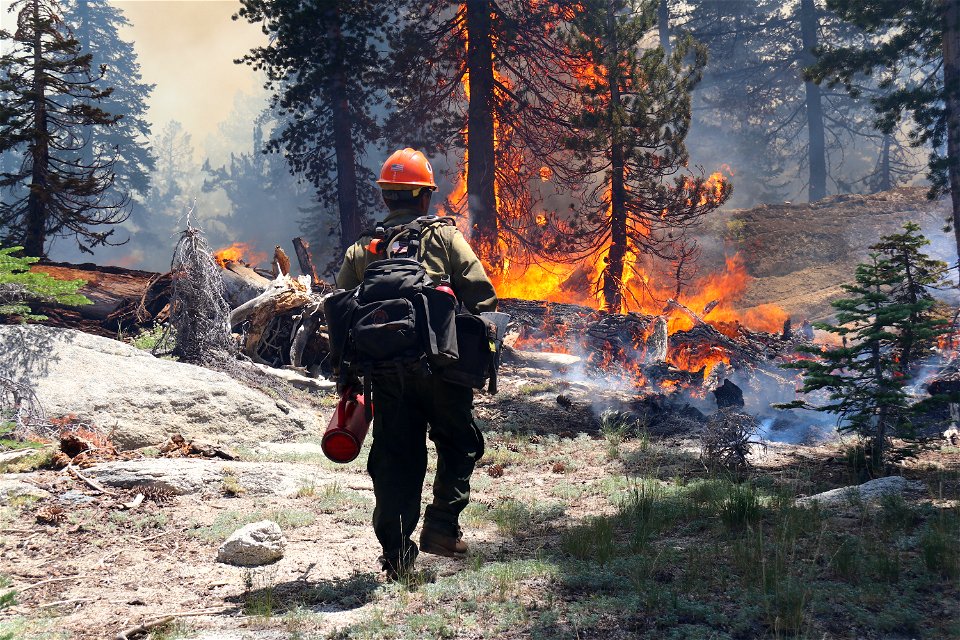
(403, 407)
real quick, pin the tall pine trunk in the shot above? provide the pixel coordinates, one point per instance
(663, 25)
(613, 273)
(35, 236)
(816, 151)
(886, 179)
(481, 161)
(343, 140)
(951, 88)
(83, 37)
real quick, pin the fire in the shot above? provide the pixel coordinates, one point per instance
(239, 252)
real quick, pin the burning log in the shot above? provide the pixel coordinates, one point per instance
(700, 356)
(281, 263)
(541, 360)
(305, 259)
(242, 284)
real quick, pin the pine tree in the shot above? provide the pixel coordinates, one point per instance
(321, 62)
(258, 185)
(630, 145)
(887, 326)
(170, 193)
(53, 98)
(786, 127)
(96, 25)
(913, 48)
(492, 77)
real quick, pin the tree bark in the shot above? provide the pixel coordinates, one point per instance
(481, 160)
(951, 90)
(347, 203)
(886, 179)
(613, 273)
(816, 151)
(663, 25)
(37, 202)
(82, 35)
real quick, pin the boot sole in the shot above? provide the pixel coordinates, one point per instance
(440, 551)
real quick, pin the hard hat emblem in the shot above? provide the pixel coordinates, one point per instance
(429, 168)
(396, 167)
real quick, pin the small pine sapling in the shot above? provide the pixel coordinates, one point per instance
(887, 326)
(20, 287)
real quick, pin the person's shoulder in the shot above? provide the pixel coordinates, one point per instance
(357, 249)
(446, 227)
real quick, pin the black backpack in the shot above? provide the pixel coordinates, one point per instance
(396, 320)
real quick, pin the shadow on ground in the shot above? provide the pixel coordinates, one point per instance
(325, 595)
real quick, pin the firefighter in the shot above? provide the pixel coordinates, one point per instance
(410, 405)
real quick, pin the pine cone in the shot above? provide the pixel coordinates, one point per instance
(60, 460)
(159, 494)
(51, 514)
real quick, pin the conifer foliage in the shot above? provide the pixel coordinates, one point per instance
(50, 97)
(96, 25)
(913, 48)
(321, 62)
(628, 141)
(887, 326)
(20, 287)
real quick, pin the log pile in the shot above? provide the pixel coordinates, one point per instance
(640, 342)
(279, 322)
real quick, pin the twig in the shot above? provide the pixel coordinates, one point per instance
(158, 535)
(48, 605)
(49, 580)
(133, 632)
(110, 556)
(95, 485)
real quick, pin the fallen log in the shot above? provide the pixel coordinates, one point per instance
(305, 258)
(541, 360)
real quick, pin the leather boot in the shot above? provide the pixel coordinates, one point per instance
(443, 541)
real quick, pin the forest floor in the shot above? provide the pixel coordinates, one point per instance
(579, 527)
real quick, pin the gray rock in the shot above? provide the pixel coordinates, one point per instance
(75, 498)
(192, 475)
(254, 545)
(11, 486)
(142, 399)
(17, 455)
(868, 493)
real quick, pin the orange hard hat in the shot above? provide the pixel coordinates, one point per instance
(406, 169)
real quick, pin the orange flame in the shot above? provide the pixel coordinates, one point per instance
(239, 252)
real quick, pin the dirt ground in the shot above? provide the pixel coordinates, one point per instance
(105, 569)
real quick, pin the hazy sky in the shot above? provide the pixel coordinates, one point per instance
(187, 48)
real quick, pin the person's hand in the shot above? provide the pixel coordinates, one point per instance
(349, 384)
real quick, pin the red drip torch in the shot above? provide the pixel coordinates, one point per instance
(347, 429)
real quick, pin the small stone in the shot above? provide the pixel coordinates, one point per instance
(254, 545)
